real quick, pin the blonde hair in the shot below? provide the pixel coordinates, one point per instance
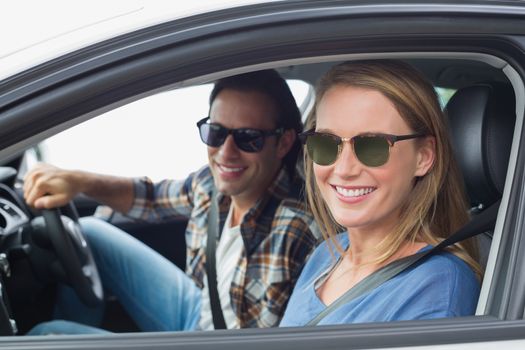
(437, 205)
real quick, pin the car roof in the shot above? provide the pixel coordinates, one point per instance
(50, 29)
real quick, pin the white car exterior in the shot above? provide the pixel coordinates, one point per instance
(449, 31)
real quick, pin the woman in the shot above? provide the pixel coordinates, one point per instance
(379, 167)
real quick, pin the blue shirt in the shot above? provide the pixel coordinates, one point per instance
(442, 286)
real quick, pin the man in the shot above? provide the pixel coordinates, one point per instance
(265, 231)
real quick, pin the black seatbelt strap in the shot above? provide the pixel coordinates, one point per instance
(482, 222)
(211, 271)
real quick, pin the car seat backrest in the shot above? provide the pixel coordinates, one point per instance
(481, 120)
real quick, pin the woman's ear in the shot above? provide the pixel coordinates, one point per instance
(425, 155)
(286, 142)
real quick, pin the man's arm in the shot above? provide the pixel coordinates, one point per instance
(47, 186)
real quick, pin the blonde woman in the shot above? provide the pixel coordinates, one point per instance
(383, 185)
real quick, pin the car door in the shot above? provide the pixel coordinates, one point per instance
(78, 86)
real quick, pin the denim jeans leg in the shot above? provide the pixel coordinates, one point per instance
(61, 327)
(157, 294)
(70, 307)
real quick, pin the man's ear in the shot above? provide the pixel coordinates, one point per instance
(286, 142)
(425, 156)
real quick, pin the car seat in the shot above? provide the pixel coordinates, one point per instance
(481, 120)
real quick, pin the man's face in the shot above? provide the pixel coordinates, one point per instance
(243, 175)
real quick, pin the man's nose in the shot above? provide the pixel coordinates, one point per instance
(229, 147)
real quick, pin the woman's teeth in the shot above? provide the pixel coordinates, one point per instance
(355, 192)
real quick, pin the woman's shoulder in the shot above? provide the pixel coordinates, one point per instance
(444, 267)
(445, 263)
(442, 285)
(447, 274)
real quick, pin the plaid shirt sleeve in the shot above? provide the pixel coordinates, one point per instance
(156, 202)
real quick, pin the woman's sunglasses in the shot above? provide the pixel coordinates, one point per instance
(371, 150)
(246, 139)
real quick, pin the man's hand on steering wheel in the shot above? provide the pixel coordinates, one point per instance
(49, 188)
(46, 187)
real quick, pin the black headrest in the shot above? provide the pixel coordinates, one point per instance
(481, 120)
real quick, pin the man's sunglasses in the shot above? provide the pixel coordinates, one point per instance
(246, 139)
(371, 150)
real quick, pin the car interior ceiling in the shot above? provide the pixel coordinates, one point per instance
(447, 73)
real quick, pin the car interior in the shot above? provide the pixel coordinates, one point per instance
(482, 119)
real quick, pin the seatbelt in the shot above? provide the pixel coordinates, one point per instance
(211, 272)
(482, 222)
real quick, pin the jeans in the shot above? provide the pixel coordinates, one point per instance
(156, 294)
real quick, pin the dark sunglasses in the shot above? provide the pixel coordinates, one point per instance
(371, 150)
(246, 139)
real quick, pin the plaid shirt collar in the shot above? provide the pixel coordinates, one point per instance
(255, 225)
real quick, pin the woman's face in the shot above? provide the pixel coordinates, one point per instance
(358, 196)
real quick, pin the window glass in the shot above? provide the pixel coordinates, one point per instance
(156, 136)
(444, 95)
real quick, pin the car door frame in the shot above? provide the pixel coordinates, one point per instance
(56, 95)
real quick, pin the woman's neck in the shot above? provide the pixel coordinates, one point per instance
(363, 244)
(363, 247)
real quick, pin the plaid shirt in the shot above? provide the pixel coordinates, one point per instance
(278, 235)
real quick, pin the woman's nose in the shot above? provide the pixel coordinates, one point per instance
(347, 164)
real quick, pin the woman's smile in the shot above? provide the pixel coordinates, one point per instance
(353, 194)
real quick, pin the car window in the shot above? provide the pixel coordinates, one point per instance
(444, 94)
(154, 136)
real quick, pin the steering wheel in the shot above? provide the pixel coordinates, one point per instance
(74, 253)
